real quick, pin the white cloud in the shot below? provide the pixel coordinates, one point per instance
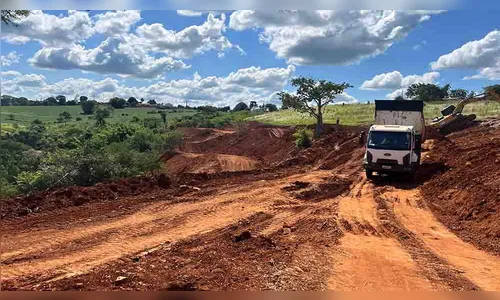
(396, 93)
(115, 55)
(116, 23)
(395, 80)
(189, 41)
(190, 13)
(329, 37)
(16, 83)
(246, 85)
(50, 29)
(10, 59)
(483, 54)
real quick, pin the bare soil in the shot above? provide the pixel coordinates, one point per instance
(243, 209)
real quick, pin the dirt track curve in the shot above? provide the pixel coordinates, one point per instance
(307, 230)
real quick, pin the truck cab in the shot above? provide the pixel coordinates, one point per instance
(391, 148)
(393, 144)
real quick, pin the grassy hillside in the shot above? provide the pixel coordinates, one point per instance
(12, 116)
(354, 114)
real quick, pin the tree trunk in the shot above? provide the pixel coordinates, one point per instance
(319, 123)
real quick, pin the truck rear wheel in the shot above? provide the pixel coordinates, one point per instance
(369, 174)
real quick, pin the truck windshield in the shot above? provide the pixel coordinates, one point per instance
(389, 140)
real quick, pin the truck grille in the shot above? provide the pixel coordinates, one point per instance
(387, 161)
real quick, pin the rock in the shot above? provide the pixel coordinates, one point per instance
(164, 181)
(287, 230)
(245, 235)
(468, 163)
(120, 279)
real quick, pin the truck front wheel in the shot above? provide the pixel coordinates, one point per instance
(369, 174)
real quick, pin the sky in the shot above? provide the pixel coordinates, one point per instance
(223, 57)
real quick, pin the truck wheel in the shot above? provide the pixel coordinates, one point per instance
(369, 174)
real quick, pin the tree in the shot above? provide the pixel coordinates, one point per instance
(399, 98)
(240, 106)
(270, 107)
(117, 103)
(12, 16)
(83, 98)
(88, 107)
(471, 94)
(71, 103)
(225, 109)
(312, 97)
(132, 102)
(64, 117)
(427, 92)
(142, 100)
(253, 104)
(495, 88)
(51, 101)
(61, 100)
(152, 102)
(100, 115)
(459, 93)
(163, 116)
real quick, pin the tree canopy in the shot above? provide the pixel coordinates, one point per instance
(312, 97)
(117, 102)
(240, 106)
(427, 92)
(11, 16)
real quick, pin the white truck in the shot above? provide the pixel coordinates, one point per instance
(394, 142)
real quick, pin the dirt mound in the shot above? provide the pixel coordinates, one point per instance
(467, 196)
(209, 163)
(79, 195)
(264, 143)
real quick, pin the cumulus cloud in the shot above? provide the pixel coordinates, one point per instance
(483, 54)
(250, 84)
(50, 29)
(395, 80)
(10, 59)
(344, 37)
(117, 22)
(15, 82)
(113, 56)
(198, 13)
(396, 93)
(191, 40)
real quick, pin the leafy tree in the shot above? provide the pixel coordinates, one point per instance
(495, 88)
(427, 92)
(240, 106)
(152, 102)
(83, 98)
(11, 16)
(51, 101)
(88, 107)
(225, 108)
(64, 117)
(399, 98)
(132, 102)
(270, 107)
(163, 116)
(253, 104)
(100, 115)
(117, 103)
(71, 103)
(458, 93)
(312, 97)
(61, 100)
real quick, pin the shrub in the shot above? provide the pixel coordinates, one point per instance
(88, 107)
(303, 138)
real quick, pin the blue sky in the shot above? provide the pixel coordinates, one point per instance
(221, 58)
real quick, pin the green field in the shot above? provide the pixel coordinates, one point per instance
(24, 115)
(354, 114)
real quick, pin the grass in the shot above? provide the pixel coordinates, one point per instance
(355, 114)
(20, 116)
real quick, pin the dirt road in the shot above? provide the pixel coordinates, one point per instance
(307, 229)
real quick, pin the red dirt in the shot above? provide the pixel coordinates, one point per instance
(466, 198)
(296, 220)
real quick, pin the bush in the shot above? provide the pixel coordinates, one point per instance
(303, 138)
(88, 107)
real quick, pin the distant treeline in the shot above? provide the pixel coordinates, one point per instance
(119, 103)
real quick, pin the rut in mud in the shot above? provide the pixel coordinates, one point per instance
(290, 220)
